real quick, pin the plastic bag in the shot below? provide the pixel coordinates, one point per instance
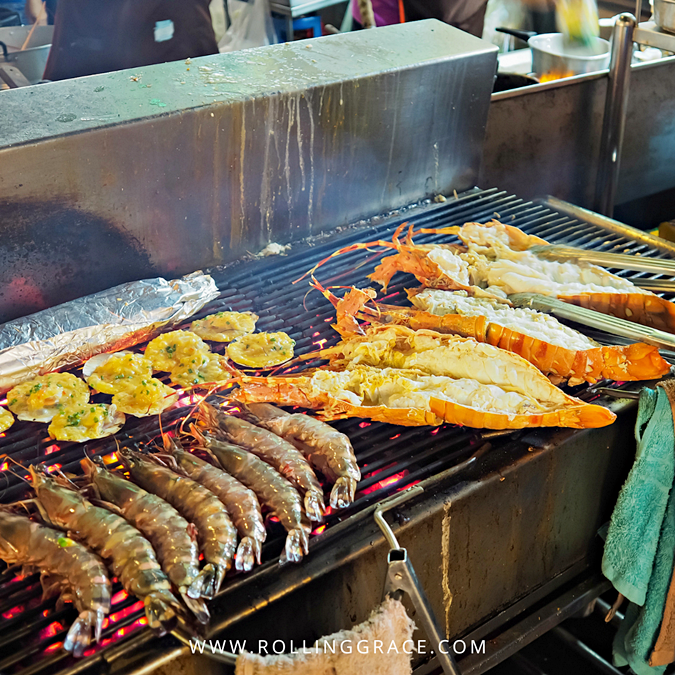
(250, 26)
(578, 20)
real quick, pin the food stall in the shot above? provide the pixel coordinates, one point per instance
(256, 167)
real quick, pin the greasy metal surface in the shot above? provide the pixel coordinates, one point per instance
(174, 167)
(545, 139)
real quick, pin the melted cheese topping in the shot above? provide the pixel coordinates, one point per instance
(38, 400)
(396, 388)
(449, 356)
(112, 373)
(522, 320)
(179, 346)
(261, 350)
(224, 326)
(150, 397)
(210, 371)
(86, 422)
(6, 419)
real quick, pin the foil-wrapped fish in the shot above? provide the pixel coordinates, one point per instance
(67, 335)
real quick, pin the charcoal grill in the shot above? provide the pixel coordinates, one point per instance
(494, 531)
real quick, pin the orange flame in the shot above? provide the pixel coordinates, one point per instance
(555, 75)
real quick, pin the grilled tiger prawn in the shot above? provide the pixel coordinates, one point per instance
(397, 375)
(326, 448)
(66, 567)
(281, 454)
(556, 350)
(272, 489)
(241, 503)
(215, 531)
(170, 535)
(130, 556)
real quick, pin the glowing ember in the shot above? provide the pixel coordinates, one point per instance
(118, 616)
(11, 613)
(4, 466)
(110, 459)
(53, 648)
(363, 425)
(51, 448)
(54, 467)
(51, 630)
(319, 529)
(118, 597)
(316, 334)
(391, 438)
(328, 320)
(435, 431)
(385, 482)
(321, 343)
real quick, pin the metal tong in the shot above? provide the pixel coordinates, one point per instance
(593, 319)
(620, 261)
(401, 578)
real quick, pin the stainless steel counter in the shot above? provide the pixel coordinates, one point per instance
(545, 139)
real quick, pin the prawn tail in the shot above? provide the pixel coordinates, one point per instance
(342, 494)
(297, 545)
(257, 549)
(246, 555)
(204, 585)
(162, 611)
(197, 607)
(314, 506)
(78, 637)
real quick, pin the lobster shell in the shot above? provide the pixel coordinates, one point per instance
(637, 361)
(298, 390)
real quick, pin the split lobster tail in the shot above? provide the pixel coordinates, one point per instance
(79, 635)
(342, 494)
(162, 611)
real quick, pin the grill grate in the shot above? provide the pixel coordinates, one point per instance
(391, 458)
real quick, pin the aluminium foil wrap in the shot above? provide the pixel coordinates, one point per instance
(65, 336)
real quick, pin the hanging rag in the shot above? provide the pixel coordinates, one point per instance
(635, 525)
(640, 547)
(382, 651)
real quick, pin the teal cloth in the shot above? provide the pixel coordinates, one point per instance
(637, 520)
(639, 630)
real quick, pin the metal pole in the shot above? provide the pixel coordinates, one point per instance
(614, 121)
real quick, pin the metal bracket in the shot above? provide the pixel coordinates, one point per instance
(401, 578)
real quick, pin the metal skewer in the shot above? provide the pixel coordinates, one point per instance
(588, 317)
(656, 285)
(614, 260)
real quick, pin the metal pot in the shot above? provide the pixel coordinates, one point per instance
(551, 56)
(32, 60)
(664, 14)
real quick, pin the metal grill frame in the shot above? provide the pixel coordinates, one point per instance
(424, 455)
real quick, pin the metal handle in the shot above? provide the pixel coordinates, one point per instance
(615, 260)
(524, 35)
(614, 121)
(656, 285)
(589, 317)
(401, 578)
(5, 51)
